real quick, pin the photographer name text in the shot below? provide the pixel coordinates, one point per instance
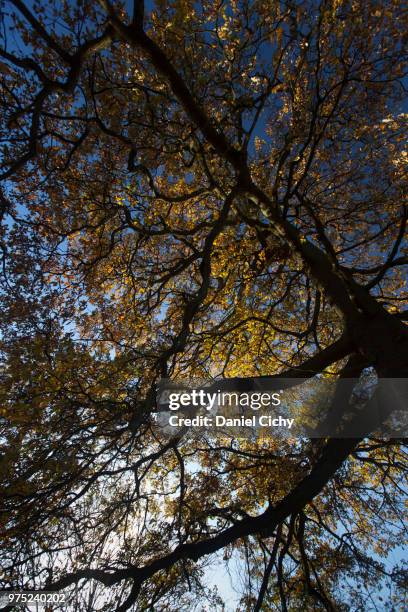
(222, 421)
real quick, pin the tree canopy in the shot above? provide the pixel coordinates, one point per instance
(199, 189)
